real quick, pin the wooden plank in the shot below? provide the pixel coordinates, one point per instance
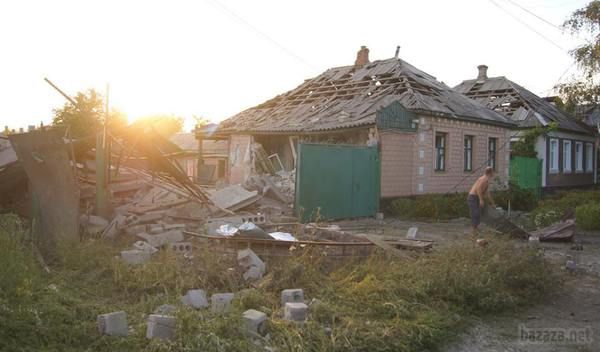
(388, 248)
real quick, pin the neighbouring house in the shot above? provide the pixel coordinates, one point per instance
(568, 153)
(214, 155)
(429, 138)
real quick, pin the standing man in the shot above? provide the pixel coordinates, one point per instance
(475, 199)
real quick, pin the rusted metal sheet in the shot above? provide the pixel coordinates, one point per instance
(45, 159)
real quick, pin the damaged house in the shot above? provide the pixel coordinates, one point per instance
(568, 153)
(214, 157)
(427, 138)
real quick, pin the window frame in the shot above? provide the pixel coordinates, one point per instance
(553, 157)
(492, 157)
(589, 159)
(443, 148)
(567, 167)
(579, 157)
(468, 153)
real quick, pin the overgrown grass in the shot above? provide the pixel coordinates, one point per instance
(552, 209)
(377, 304)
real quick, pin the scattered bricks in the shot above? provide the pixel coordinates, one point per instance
(135, 256)
(181, 247)
(252, 274)
(221, 302)
(247, 258)
(165, 309)
(412, 233)
(295, 295)
(195, 298)
(160, 327)
(145, 246)
(255, 322)
(113, 324)
(294, 311)
(163, 238)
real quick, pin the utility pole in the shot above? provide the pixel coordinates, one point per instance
(102, 196)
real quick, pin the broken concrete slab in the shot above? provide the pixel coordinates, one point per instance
(161, 239)
(294, 311)
(135, 256)
(145, 246)
(255, 322)
(113, 324)
(195, 298)
(135, 229)
(160, 327)
(293, 295)
(115, 226)
(234, 197)
(159, 228)
(246, 258)
(253, 273)
(221, 302)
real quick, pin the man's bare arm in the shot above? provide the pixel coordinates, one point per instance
(480, 194)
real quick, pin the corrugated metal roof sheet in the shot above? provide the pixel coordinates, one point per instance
(359, 92)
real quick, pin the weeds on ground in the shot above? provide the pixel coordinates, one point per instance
(374, 304)
(552, 209)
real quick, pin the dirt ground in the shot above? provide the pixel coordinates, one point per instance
(574, 309)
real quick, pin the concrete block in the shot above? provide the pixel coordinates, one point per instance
(160, 327)
(253, 273)
(295, 295)
(161, 239)
(247, 258)
(195, 298)
(181, 247)
(135, 256)
(221, 302)
(255, 322)
(294, 311)
(145, 246)
(113, 324)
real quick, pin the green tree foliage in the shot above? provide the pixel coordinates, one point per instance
(87, 115)
(165, 124)
(525, 146)
(585, 21)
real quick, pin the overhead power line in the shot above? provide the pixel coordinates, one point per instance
(265, 36)
(528, 26)
(534, 14)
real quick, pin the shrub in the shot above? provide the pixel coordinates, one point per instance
(588, 216)
(552, 209)
(520, 198)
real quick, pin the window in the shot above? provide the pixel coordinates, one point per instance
(554, 155)
(468, 153)
(567, 162)
(440, 151)
(589, 157)
(578, 156)
(492, 153)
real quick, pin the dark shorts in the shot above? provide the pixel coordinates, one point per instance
(473, 202)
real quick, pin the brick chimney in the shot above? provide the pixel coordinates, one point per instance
(362, 56)
(482, 76)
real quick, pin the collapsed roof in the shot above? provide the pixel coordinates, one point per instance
(517, 103)
(350, 96)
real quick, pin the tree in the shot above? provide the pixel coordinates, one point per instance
(586, 89)
(166, 125)
(86, 117)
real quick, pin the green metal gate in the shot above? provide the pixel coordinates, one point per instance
(527, 173)
(336, 181)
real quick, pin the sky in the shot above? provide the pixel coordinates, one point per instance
(214, 58)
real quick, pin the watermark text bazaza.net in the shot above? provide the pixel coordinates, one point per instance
(558, 336)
